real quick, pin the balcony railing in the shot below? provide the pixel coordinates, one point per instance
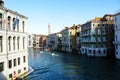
(116, 42)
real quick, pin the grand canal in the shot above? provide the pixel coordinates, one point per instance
(65, 66)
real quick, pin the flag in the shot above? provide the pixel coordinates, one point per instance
(15, 23)
(4, 17)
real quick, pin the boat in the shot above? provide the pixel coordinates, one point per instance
(41, 51)
(53, 54)
(47, 49)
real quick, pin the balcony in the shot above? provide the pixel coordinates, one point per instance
(116, 42)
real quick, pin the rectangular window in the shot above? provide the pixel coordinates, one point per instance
(23, 43)
(24, 68)
(14, 62)
(9, 44)
(18, 61)
(115, 18)
(116, 53)
(1, 44)
(10, 63)
(0, 21)
(10, 76)
(116, 47)
(24, 59)
(116, 27)
(1, 66)
(19, 71)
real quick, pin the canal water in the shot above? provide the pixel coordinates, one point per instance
(65, 66)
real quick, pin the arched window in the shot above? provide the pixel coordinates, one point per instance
(18, 25)
(116, 37)
(13, 23)
(18, 40)
(1, 45)
(9, 43)
(93, 51)
(0, 21)
(9, 19)
(23, 42)
(98, 51)
(13, 43)
(116, 27)
(104, 51)
(85, 51)
(89, 51)
(23, 26)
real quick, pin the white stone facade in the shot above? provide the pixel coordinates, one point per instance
(13, 45)
(36, 41)
(30, 40)
(52, 41)
(66, 40)
(117, 34)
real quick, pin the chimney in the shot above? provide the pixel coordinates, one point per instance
(66, 27)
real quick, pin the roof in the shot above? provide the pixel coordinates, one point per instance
(13, 12)
(96, 19)
(117, 14)
(72, 27)
(55, 33)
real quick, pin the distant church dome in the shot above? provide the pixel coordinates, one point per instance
(1, 3)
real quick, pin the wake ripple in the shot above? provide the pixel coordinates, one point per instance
(30, 70)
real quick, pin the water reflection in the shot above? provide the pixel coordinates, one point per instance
(64, 66)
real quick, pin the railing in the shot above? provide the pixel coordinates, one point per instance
(116, 42)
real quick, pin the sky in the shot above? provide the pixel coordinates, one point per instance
(60, 13)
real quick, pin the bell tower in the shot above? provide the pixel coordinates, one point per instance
(49, 29)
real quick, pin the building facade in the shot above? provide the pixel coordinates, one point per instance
(95, 37)
(43, 41)
(117, 35)
(53, 40)
(108, 21)
(30, 40)
(78, 39)
(66, 40)
(69, 35)
(13, 44)
(36, 41)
